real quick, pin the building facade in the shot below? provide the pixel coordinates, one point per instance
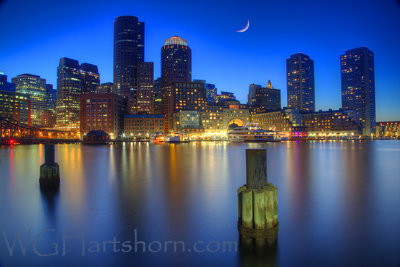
(300, 82)
(358, 86)
(337, 124)
(102, 112)
(105, 88)
(143, 125)
(71, 83)
(264, 99)
(142, 97)
(128, 51)
(91, 77)
(15, 106)
(34, 87)
(388, 129)
(157, 96)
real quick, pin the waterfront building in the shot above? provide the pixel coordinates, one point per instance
(212, 119)
(105, 88)
(15, 106)
(335, 124)
(48, 119)
(4, 84)
(300, 82)
(73, 80)
(35, 87)
(264, 99)
(187, 122)
(358, 86)
(235, 117)
(388, 129)
(102, 112)
(128, 51)
(157, 96)
(287, 121)
(142, 98)
(189, 96)
(143, 125)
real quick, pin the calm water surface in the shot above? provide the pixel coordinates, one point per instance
(339, 203)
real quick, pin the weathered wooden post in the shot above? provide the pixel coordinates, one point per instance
(258, 201)
(49, 171)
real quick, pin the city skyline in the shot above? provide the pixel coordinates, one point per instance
(252, 70)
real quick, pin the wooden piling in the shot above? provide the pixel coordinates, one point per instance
(257, 201)
(49, 171)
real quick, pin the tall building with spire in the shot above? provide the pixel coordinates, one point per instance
(300, 82)
(128, 51)
(358, 86)
(264, 98)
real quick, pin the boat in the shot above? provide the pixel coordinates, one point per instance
(173, 138)
(250, 132)
(157, 138)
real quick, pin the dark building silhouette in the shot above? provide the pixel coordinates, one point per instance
(358, 86)
(300, 82)
(176, 61)
(72, 80)
(91, 77)
(176, 66)
(5, 85)
(128, 51)
(264, 99)
(51, 97)
(157, 96)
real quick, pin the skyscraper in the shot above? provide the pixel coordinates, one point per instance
(72, 80)
(91, 77)
(142, 98)
(300, 82)
(358, 86)
(176, 66)
(128, 51)
(176, 61)
(35, 88)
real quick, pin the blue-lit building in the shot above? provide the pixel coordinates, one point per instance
(211, 92)
(358, 86)
(128, 51)
(51, 97)
(4, 84)
(300, 82)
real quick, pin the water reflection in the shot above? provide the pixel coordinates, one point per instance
(331, 194)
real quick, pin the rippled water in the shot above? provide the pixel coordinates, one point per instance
(339, 203)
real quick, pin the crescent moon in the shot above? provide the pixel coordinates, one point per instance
(245, 28)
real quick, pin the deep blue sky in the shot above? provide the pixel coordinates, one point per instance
(34, 35)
